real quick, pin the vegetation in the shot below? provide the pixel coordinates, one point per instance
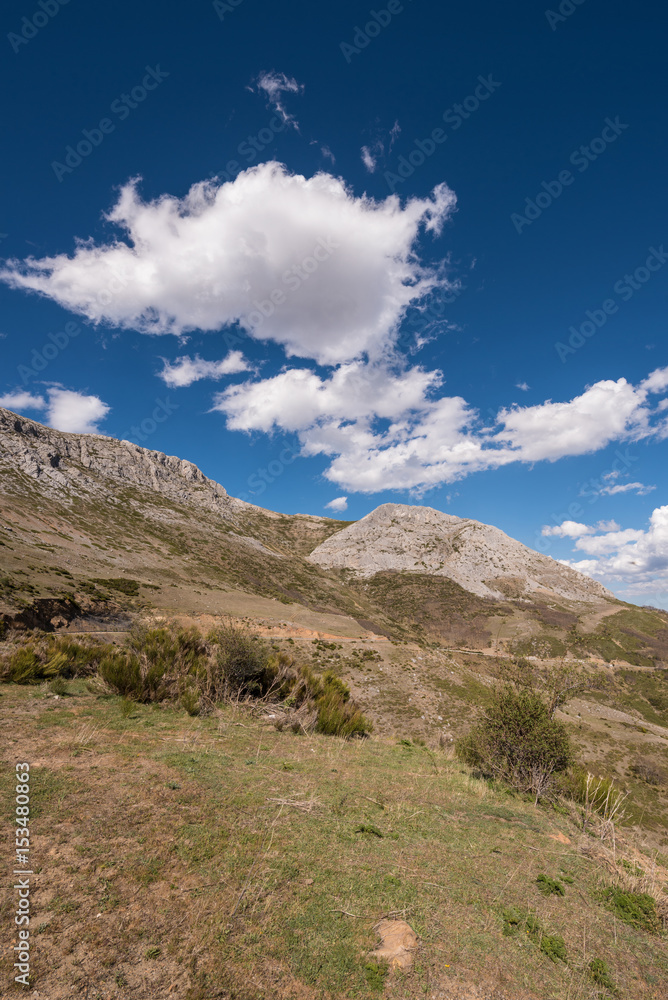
(197, 672)
(600, 974)
(637, 909)
(518, 742)
(220, 838)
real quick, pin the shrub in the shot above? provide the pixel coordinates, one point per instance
(549, 886)
(518, 742)
(242, 664)
(635, 908)
(551, 945)
(600, 974)
(121, 672)
(128, 587)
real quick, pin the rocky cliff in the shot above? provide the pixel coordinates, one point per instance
(71, 465)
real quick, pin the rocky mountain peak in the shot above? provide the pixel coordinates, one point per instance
(480, 558)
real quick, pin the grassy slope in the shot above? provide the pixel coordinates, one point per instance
(168, 865)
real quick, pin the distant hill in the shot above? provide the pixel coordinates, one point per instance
(77, 510)
(480, 558)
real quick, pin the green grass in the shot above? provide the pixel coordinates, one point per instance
(273, 872)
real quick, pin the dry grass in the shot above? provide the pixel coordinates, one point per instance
(220, 858)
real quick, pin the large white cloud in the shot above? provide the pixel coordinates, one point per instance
(299, 261)
(387, 428)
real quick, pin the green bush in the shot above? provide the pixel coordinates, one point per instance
(181, 666)
(128, 587)
(515, 920)
(549, 886)
(551, 945)
(242, 664)
(635, 908)
(518, 742)
(331, 697)
(122, 674)
(600, 974)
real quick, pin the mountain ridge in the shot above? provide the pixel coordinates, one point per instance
(401, 538)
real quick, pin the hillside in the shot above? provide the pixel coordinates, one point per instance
(219, 859)
(478, 557)
(204, 869)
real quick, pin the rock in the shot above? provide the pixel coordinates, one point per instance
(480, 558)
(76, 465)
(399, 940)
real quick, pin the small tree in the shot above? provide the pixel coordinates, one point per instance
(558, 683)
(519, 742)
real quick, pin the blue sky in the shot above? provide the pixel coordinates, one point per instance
(460, 213)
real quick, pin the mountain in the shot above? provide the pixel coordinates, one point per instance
(75, 465)
(478, 557)
(105, 527)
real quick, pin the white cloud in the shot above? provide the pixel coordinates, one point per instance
(65, 410)
(298, 399)
(638, 488)
(605, 412)
(274, 85)
(568, 529)
(342, 270)
(656, 381)
(384, 427)
(523, 386)
(340, 504)
(74, 412)
(607, 526)
(635, 558)
(368, 159)
(185, 370)
(19, 400)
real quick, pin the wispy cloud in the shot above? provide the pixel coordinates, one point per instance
(638, 488)
(368, 159)
(274, 85)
